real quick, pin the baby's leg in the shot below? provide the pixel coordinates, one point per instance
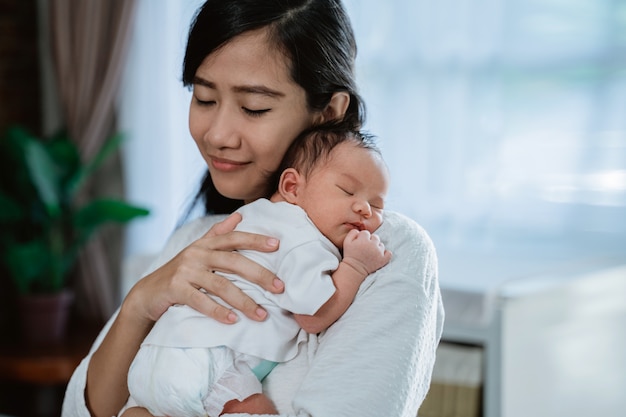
(254, 404)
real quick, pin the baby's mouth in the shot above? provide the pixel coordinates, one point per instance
(357, 225)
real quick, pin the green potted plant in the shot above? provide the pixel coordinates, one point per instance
(44, 222)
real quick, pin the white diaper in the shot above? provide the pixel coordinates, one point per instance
(190, 382)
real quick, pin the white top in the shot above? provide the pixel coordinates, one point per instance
(376, 360)
(304, 261)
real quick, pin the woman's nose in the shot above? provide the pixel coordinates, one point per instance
(222, 131)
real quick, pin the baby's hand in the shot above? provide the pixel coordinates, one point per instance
(365, 252)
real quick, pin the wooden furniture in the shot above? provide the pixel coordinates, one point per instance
(33, 378)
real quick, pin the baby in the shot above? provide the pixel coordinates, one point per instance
(328, 201)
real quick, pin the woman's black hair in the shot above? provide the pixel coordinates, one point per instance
(315, 35)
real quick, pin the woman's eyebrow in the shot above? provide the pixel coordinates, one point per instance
(258, 89)
(246, 89)
(201, 81)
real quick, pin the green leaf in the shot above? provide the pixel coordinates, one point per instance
(27, 263)
(65, 154)
(45, 175)
(41, 229)
(12, 159)
(87, 170)
(102, 211)
(107, 149)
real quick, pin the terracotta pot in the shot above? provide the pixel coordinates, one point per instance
(44, 317)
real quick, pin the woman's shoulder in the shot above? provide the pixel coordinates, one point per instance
(414, 258)
(412, 272)
(186, 234)
(195, 228)
(400, 232)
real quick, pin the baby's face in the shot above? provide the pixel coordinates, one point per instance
(347, 192)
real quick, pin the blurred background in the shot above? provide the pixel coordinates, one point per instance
(504, 125)
(497, 117)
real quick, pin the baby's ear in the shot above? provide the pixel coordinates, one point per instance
(289, 184)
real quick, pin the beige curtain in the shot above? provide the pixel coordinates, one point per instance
(89, 40)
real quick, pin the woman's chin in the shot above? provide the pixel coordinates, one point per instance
(235, 193)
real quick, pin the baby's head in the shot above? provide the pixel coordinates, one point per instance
(338, 177)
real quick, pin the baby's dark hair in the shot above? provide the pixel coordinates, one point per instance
(314, 145)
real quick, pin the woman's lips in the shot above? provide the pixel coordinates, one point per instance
(226, 165)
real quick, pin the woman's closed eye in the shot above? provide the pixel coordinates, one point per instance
(255, 112)
(204, 102)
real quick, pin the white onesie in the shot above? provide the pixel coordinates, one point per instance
(189, 364)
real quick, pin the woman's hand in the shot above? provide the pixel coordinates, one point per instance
(179, 281)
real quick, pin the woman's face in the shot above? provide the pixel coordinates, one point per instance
(245, 112)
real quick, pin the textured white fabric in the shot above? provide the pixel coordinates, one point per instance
(376, 360)
(176, 367)
(190, 382)
(304, 262)
(237, 382)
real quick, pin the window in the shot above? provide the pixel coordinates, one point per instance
(495, 116)
(499, 114)
(162, 165)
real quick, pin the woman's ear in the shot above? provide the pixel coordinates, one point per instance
(289, 184)
(336, 108)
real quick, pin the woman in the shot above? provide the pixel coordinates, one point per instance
(261, 72)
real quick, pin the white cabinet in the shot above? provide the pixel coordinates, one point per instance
(551, 320)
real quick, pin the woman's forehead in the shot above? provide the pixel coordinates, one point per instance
(249, 58)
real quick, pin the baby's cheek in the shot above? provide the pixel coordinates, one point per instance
(377, 221)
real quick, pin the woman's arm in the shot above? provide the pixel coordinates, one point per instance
(98, 386)
(377, 359)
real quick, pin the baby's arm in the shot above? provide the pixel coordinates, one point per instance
(363, 253)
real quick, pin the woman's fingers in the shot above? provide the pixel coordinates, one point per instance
(239, 240)
(220, 249)
(200, 265)
(209, 307)
(232, 295)
(235, 263)
(225, 226)
(223, 237)
(195, 271)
